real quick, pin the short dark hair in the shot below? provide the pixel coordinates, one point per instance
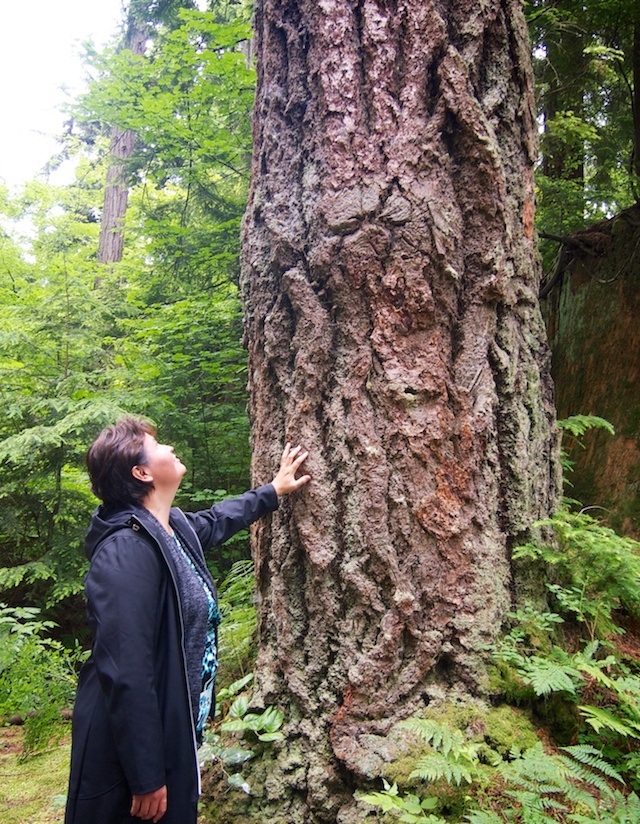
(112, 456)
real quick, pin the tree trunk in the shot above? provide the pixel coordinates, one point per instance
(390, 277)
(592, 318)
(564, 82)
(635, 100)
(116, 193)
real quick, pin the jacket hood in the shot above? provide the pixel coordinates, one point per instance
(108, 519)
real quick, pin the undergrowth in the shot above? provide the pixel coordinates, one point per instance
(37, 676)
(567, 666)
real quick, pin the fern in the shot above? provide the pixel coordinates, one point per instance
(546, 676)
(617, 810)
(586, 775)
(441, 736)
(597, 571)
(592, 758)
(435, 766)
(577, 425)
(453, 758)
(237, 630)
(483, 817)
(542, 782)
(600, 718)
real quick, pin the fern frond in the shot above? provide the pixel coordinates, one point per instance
(592, 758)
(546, 676)
(442, 737)
(580, 797)
(434, 766)
(617, 810)
(534, 807)
(534, 772)
(583, 774)
(595, 671)
(599, 719)
(577, 425)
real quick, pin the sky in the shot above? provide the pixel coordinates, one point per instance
(40, 53)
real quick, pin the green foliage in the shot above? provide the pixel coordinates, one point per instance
(265, 726)
(577, 426)
(584, 68)
(596, 571)
(189, 102)
(452, 757)
(535, 787)
(407, 808)
(565, 668)
(546, 787)
(256, 730)
(37, 675)
(238, 627)
(54, 400)
(158, 334)
(260, 729)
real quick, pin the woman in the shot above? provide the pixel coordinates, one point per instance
(147, 688)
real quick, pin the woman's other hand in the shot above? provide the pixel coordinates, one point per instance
(292, 459)
(150, 806)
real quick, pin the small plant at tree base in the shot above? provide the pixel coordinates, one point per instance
(596, 571)
(408, 808)
(261, 728)
(574, 785)
(264, 726)
(238, 627)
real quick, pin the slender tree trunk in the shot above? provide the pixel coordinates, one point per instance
(563, 152)
(116, 194)
(635, 104)
(390, 278)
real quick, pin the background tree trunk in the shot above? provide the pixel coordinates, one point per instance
(592, 317)
(635, 100)
(390, 278)
(563, 93)
(116, 193)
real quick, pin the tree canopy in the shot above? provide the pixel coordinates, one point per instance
(159, 333)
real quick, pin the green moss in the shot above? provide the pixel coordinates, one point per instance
(398, 771)
(507, 728)
(501, 729)
(505, 683)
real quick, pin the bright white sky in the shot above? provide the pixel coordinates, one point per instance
(40, 48)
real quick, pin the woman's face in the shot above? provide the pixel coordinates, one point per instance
(165, 469)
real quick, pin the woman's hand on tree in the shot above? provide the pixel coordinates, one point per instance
(292, 459)
(150, 806)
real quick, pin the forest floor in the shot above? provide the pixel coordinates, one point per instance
(32, 791)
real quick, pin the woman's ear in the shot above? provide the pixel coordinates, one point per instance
(140, 473)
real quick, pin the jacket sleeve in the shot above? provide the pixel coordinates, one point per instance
(123, 590)
(216, 525)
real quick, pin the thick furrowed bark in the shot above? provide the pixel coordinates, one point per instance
(390, 280)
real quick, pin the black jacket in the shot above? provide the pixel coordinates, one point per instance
(133, 729)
